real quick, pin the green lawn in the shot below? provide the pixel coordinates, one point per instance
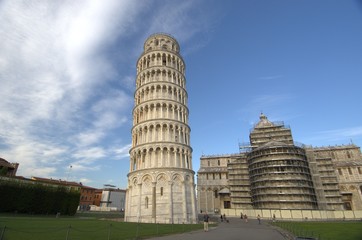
(68, 228)
(324, 230)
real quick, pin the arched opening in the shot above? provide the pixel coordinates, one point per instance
(146, 202)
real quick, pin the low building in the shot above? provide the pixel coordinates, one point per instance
(87, 194)
(73, 186)
(109, 199)
(97, 197)
(8, 169)
(113, 199)
(87, 198)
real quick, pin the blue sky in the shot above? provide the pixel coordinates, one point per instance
(67, 77)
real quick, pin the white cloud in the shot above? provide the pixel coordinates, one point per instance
(88, 138)
(123, 152)
(52, 63)
(337, 135)
(185, 20)
(46, 172)
(64, 97)
(83, 168)
(85, 181)
(90, 154)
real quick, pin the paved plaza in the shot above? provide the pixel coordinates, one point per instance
(234, 230)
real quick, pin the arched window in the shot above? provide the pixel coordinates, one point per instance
(146, 202)
(134, 165)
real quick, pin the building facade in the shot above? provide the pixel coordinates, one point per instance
(8, 169)
(273, 172)
(161, 184)
(113, 199)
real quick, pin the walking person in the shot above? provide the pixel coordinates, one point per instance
(221, 218)
(258, 218)
(246, 218)
(206, 222)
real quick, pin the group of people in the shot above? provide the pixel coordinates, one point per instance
(223, 218)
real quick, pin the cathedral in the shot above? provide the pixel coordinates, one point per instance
(161, 185)
(274, 172)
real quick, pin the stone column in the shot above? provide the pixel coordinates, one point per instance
(184, 201)
(127, 205)
(206, 200)
(193, 200)
(170, 214)
(154, 202)
(139, 201)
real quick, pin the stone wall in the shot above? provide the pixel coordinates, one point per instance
(298, 215)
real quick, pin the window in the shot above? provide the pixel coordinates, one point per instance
(207, 176)
(226, 204)
(218, 162)
(219, 175)
(349, 170)
(208, 163)
(213, 176)
(359, 170)
(340, 171)
(347, 206)
(146, 202)
(161, 190)
(134, 165)
(215, 193)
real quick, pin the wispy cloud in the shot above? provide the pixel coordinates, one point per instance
(53, 66)
(65, 98)
(337, 135)
(267, 102)
(272, 77)
(186, 20)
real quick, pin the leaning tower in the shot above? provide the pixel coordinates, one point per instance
(161, 184)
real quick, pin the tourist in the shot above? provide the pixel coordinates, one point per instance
(206, 222)
(258, 218)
